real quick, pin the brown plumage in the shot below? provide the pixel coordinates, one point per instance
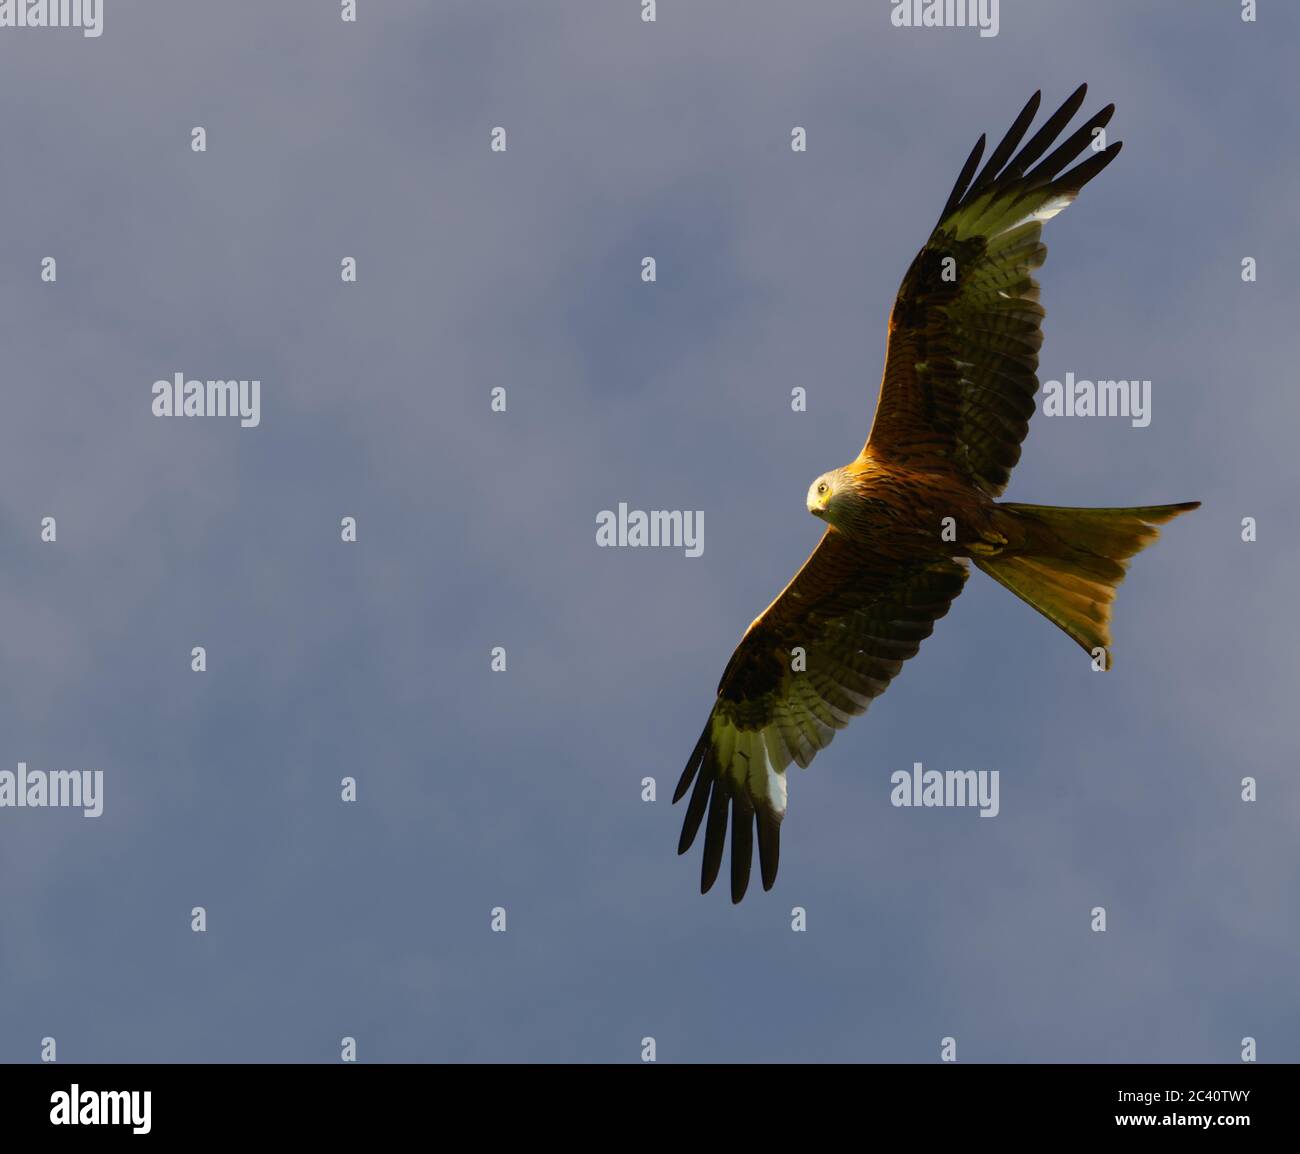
(955, 402)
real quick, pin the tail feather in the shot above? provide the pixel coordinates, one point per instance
(1067, 563)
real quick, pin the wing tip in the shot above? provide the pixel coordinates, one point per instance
(1004, 169)
(693, 763)
(742, 845)
(727, 804)
(715, 833)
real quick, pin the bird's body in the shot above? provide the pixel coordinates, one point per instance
(918, 501)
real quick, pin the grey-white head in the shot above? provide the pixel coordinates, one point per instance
(826, 495)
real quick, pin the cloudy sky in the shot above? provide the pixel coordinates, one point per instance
(521, 270)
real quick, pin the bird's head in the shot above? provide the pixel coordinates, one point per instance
(825, 496)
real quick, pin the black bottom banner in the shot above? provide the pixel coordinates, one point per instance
(359, 1101)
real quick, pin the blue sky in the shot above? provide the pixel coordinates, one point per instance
(523, 789)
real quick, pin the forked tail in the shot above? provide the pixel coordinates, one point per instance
(1067, 563)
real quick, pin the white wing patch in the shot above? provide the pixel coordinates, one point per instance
(755, 759)
(1044, 211)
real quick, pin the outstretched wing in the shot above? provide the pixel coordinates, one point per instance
(961, 367)
(857, 616)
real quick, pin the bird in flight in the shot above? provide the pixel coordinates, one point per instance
(955, 402)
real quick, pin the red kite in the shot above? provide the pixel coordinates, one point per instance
(954, 407)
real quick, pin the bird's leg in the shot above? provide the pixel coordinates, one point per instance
(990, 544)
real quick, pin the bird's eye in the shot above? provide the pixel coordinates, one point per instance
(821, 489)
